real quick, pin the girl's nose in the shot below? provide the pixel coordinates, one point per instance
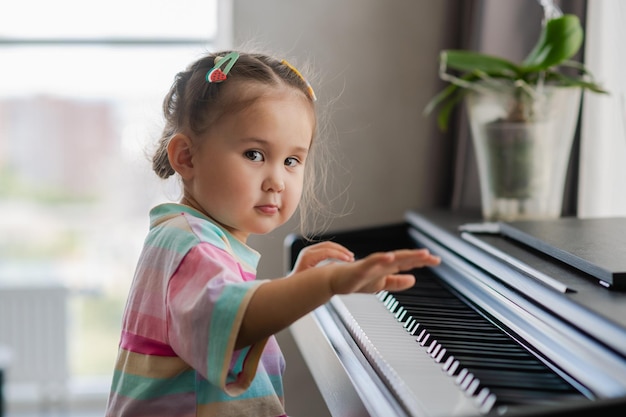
(274, 183)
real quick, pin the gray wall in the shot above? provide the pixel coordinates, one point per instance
(375, 66)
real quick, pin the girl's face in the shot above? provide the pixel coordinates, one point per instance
(247, 172)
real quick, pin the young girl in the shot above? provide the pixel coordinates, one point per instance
(197, 330)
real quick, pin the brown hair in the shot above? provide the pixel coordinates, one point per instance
(193, 105)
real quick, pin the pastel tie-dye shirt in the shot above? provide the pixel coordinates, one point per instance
(176, 356)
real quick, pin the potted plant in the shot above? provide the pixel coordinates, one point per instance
(522, 116)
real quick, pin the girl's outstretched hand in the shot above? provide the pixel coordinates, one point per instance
(380, 271)
(312, 255)
(279, 302)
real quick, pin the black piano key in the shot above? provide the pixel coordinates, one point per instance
(452, 322)
(481, 347)
(499, 363)
(486, 362)
(517, 396)
(511, 378)
(469, 337)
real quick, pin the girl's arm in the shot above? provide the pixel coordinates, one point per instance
(278, 303)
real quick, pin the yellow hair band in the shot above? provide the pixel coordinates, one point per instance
(309, 88)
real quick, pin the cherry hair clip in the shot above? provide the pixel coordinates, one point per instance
(216, 74)
(291, 67)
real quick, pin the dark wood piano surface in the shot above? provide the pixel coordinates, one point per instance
(369, 360)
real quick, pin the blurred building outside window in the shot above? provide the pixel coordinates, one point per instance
(81, 88)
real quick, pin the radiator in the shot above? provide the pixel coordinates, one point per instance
(33, 325)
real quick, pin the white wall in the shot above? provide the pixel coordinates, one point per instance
(376, 67)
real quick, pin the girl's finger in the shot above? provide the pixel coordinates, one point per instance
(399, 282)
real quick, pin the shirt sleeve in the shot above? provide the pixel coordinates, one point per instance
(207, 298)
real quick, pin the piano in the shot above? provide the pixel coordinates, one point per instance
(499, 328)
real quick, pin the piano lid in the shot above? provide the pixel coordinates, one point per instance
(596, 246)
(589, 306)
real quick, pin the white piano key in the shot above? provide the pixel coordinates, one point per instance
(403, 364)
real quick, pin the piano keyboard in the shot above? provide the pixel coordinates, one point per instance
(485, 361)
(475, 336)
(486, 365)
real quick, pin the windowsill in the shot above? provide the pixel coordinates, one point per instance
(81, 393)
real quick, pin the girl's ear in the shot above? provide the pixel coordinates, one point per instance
(179, 153)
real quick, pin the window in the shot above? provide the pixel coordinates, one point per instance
(80, 100)
(603, 136)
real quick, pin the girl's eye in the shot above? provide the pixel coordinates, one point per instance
(291, 162)
(254, 155)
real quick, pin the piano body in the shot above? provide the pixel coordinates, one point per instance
(497, 329)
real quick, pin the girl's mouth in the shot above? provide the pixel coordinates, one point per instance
(268, 209)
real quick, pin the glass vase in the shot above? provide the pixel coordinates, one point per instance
(522, 142)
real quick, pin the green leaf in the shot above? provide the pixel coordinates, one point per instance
(446, 110)
(450, 95)
(566, 81)
(560, 39)
(439, 98)
(473, 61)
